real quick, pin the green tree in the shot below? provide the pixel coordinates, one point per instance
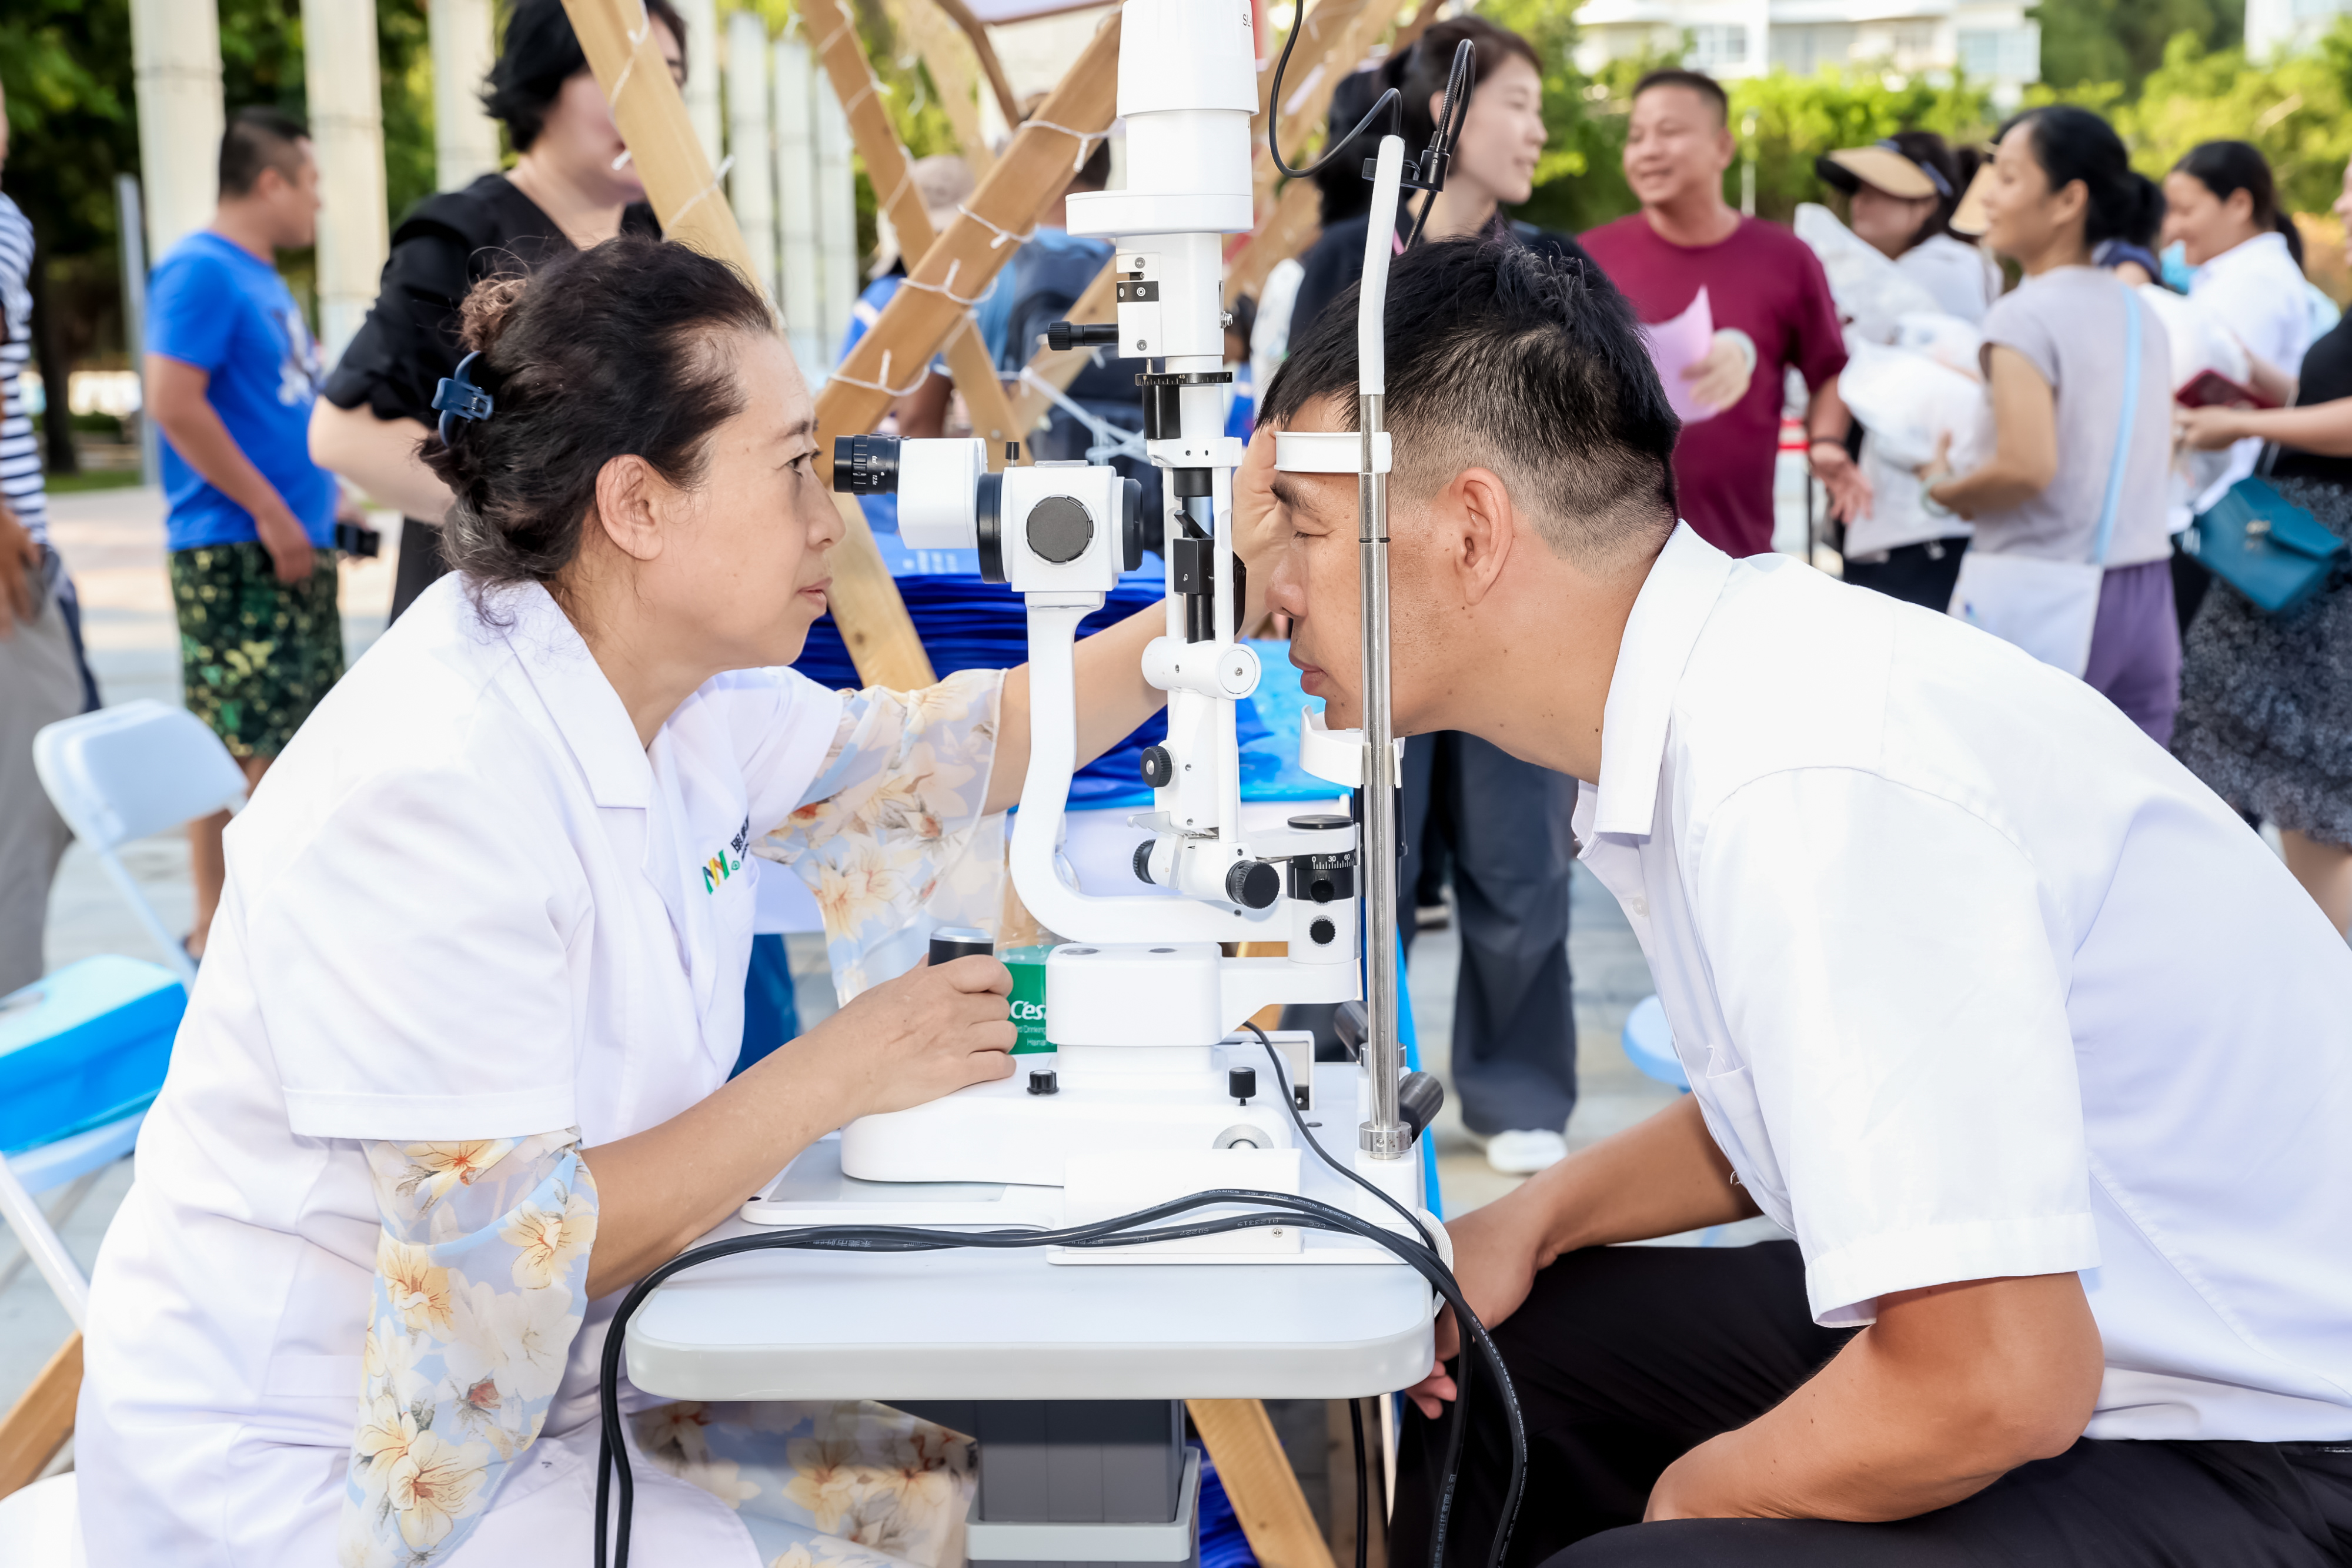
(2125, 40)
(1790, 121)
(2297, 111)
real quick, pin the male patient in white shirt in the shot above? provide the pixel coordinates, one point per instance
(2040, 1057)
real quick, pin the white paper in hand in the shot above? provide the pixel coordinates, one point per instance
(1674, 346)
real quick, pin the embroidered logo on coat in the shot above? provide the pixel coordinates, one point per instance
(719, 867)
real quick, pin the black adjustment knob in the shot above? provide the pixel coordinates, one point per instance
(1060, 529)
(1063, 336)
(1419, 1098)
(1159, 766)
(1321, 822)
(866, 464)
(1252, 884)
(1321, 932)
(949, 943)
(1043, 1081)
(1143, 860)
(1241, 1084)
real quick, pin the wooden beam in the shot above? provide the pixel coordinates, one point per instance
(38, 1426)
(669, 158)
(1290, 228)
(962, 262)
(960, 13)
(1259, 1482)
(852, 75)
(955, 70)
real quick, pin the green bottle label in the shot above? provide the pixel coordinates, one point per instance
(1028, 966)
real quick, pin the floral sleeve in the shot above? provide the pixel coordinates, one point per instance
(481, 1279)
(890, 835)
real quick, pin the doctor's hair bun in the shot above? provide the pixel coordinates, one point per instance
(485, 312)
(622, 350)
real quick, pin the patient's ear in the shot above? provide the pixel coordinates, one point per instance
(1487, 530)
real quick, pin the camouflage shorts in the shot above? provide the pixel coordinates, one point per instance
(255, 655)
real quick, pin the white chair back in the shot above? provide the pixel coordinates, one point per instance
(127, 771)
(133, 769)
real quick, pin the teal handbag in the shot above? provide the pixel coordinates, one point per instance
(2264, 546)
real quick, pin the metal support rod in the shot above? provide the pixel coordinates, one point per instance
(1384, 1138)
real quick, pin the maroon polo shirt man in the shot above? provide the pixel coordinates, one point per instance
(1761, 281)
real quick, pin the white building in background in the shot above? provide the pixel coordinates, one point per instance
(1991, 41)
(2275, 28)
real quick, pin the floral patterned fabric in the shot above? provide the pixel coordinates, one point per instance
(481, 1279)
(853, 1484)
(890, 839)
(482, 1262)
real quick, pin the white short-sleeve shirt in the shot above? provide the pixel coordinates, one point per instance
(466, 903)
(2259, 293)
(1972, 979)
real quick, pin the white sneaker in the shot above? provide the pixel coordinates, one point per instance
(1526, 1150)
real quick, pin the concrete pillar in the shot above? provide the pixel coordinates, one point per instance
(799, 285)
(836, 219)
(752, 180)
(346, 102)
(702, 73)
(175, 61)
(465, 140)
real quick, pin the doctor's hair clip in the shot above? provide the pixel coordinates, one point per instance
(458, 398)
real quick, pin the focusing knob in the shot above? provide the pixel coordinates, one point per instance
(1063, 336)
(1060, 529)
(1159, 767)
(866, 464)
(1252, 884)
(1143, 860)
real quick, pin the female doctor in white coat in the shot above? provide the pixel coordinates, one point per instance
(455, 1071)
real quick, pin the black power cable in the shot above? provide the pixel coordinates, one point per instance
(1390, 102)
(1450, 116)
(1273, 1208)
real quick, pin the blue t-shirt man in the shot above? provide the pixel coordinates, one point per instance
(216, 305)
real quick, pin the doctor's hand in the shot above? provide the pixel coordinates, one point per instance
(927, 1034)
(1497, 1249)
(1256, 536)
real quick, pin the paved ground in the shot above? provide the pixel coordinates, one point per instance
(112, 541)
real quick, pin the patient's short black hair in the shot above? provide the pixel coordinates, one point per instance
(1524, 363)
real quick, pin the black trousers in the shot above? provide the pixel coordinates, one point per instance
(1624, 1358)
(421, 563)
(1506, 825)
(1921, 574)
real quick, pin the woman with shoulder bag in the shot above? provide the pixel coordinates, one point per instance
(2265, 700)
(2071, 560)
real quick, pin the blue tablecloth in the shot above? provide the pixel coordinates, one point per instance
(966, 623)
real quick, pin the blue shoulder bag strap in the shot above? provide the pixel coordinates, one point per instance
(2123, 431)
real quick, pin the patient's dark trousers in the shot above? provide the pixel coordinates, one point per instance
(1626, 1357)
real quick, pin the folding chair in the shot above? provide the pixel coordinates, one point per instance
(130, 770)
(82, 1055)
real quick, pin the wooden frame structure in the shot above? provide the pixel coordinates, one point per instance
(852, 75)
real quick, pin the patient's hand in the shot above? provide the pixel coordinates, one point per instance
(1496, 1250)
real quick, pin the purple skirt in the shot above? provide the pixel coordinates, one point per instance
(2136, 646)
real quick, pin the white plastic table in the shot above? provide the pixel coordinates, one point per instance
(1009, 1326)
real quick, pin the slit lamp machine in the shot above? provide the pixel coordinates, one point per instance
(1150, 1093)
